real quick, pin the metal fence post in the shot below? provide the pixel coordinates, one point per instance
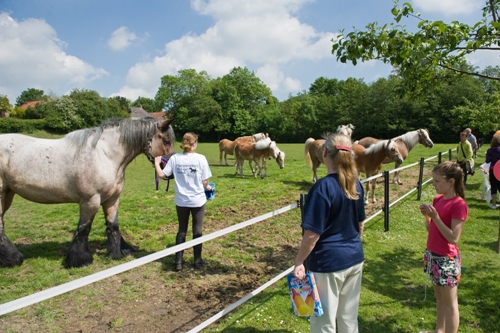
(386, 201)
(301, 204)
(440, 157)
(420, 178)
(450, 156)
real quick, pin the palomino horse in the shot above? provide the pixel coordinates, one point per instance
(369, 160)
(226, 146)
(85, 167)
(405, 143)
(251, 151)
(312, 149)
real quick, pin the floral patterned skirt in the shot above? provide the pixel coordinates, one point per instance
(444, 270)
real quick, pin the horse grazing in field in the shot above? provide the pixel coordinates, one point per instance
(369, 160)
(256, 152)
(312, 149)
(405, 143)
(226, 146)
(86, 167)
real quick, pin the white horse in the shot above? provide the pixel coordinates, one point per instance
(86, 167)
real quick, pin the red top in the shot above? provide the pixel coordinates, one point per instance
(454, 208)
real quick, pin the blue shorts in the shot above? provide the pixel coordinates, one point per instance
(444, 271)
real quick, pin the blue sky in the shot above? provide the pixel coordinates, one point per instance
(124, 47)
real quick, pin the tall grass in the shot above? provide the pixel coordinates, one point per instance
(393, 299)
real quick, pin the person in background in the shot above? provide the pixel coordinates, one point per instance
(268, 139)
(492, 156)
(191, 172)
(473, 142)
(444, 220)
(334, 213)
(464, 153)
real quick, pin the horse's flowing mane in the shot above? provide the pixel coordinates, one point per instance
(380, 145)
(133, 132)
(410, 139)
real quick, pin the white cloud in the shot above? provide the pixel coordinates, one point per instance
(275, 79)
(292, 85)
(121, 38)
(484, 58)
(31, 49)
(449, 7)
(259, 33)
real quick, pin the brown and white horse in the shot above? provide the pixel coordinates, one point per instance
(369, 160)
(256, 152)
(312, 149)
(226, 146)
(405, 143)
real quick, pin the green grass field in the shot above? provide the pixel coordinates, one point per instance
(393, 297)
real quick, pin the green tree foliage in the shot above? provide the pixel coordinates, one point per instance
(124, 103)
(147, 104)
(30, 95)
(241, 95)
(422, 56)
(94, 109)
(5, 104)
(61, 114)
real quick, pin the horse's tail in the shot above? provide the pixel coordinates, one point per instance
(307, 155)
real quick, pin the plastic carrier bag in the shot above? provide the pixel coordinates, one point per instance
(304, 296)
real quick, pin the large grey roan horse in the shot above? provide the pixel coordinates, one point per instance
(84, 167)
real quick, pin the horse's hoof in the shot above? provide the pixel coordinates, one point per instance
(199, 264)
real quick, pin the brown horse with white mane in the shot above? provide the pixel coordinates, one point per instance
(405, 143)
(256, 152)
(369, 160)
(226, 146)
(312, 149)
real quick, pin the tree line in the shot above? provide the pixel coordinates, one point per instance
(239, 103)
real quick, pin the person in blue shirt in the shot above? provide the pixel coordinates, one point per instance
(333, 219)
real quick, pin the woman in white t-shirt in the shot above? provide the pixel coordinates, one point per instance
(191, 172)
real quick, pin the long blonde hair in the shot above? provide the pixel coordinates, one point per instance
(189, 140)
(339, 148)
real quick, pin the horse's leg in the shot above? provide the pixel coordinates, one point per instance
(79, 254)
(316, 164)
(251, 168)
(220, 155)
(367, 191)
(9, 254)
(225, 158)
(374, 184)
(257, 167)
(396, 179)
(116, 245)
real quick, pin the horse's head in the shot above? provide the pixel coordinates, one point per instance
(280, 158)
(345, 129)
(424, 139)
(163, 140)
(392, 152)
